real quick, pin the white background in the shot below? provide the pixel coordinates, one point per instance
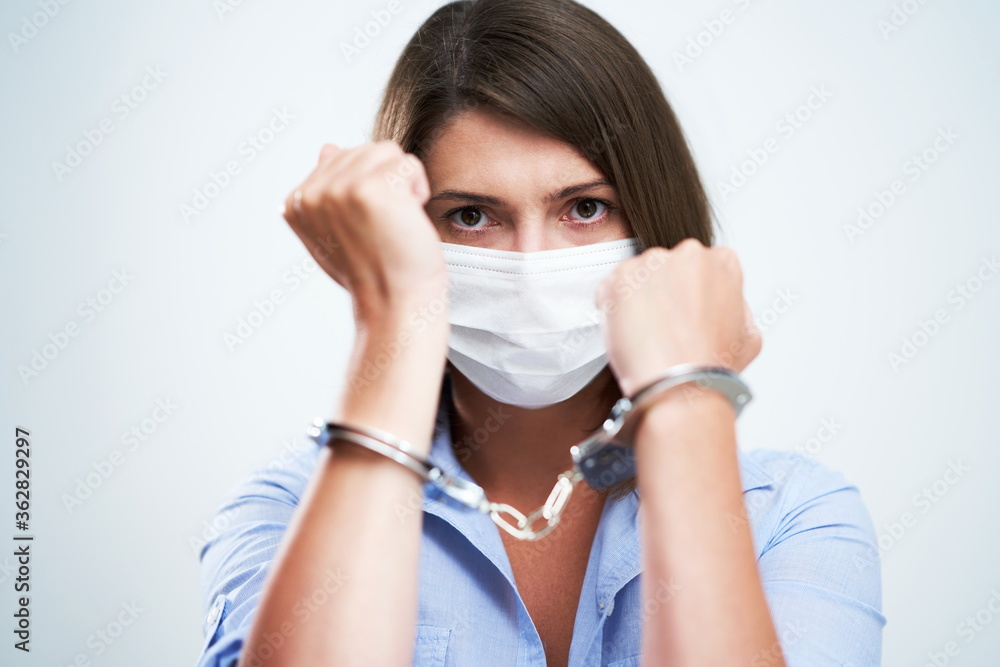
(826, 358)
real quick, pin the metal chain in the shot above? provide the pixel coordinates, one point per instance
(523, 526)
(600, 454)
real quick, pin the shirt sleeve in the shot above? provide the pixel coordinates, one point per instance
(821, 574)
(248, 527)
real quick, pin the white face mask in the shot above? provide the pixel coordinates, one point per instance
(524, 326)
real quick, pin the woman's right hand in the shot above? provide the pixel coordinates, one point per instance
(361, 215)
(386, 252)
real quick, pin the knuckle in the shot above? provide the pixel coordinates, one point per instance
(336, 191)
(731, 259)
(689, 244)
(310, 200)
(364, 190)
(328, 151)
(656, 251)
(386, 147)
(414, 162)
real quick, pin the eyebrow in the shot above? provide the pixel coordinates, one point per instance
(499, 203)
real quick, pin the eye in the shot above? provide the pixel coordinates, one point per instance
(589, 208)
(469, 217)
(467, 220)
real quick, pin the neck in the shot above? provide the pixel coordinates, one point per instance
(516, 453)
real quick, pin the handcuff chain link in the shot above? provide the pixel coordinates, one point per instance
(523, 526)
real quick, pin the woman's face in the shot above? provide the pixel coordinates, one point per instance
(499, 184)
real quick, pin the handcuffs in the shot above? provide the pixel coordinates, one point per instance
(604, 459)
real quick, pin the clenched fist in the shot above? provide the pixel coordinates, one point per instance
(665, 307)
(361, 215)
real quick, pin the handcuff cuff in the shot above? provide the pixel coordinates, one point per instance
(604, 459)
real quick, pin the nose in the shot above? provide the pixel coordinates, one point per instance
(532, 234)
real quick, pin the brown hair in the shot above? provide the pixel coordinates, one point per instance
(561, 68)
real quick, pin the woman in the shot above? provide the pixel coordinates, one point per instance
(511, 128)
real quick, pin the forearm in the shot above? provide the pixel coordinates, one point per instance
(689, 482)
(343, 588)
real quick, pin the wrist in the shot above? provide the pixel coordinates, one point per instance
(394, 375)
(401, 323)
(679, 407)
(397, 309)
(398, 356)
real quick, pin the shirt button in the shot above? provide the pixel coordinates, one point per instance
(214, 613)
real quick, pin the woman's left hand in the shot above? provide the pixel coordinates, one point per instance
(665, 307)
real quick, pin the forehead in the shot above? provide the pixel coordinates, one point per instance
(483, 146)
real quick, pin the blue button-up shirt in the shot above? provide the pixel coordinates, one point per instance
(815, 544)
